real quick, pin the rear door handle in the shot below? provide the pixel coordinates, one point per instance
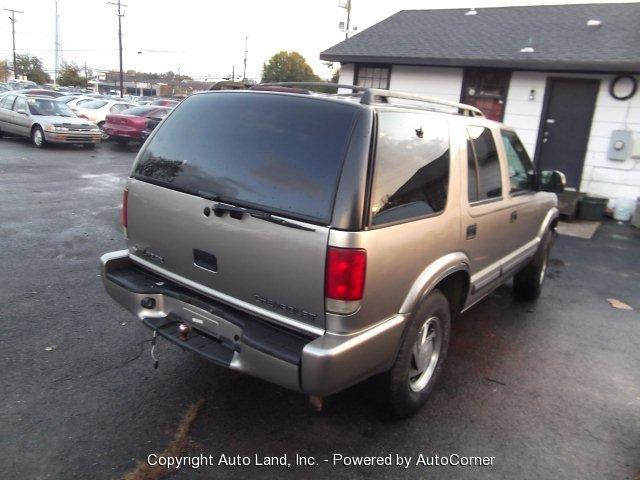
(513, 217)
(472, 231)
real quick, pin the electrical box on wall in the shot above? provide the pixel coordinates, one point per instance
(619, 145)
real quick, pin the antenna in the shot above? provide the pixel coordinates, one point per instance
(13, 35)
(120, 14)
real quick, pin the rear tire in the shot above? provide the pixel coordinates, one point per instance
(421, 356)
(527, 283)
(123, 142)
(37, 137)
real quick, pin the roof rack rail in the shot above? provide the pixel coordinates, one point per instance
(370, 95)
(313, 84)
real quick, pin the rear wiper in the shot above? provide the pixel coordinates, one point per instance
(237, 212)
(280, 221)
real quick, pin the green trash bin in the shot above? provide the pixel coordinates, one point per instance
(592, 207)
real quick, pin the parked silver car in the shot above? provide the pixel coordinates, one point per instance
(317, 240)
(44, 119)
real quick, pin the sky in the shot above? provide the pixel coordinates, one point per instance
(204, 39)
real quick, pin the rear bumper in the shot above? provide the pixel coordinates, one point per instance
(239, 341)
(122, 132)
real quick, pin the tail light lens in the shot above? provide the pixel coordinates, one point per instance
(124, 218)
(344, 279)
(82, 115)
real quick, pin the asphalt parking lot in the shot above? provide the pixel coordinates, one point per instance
(551, 389)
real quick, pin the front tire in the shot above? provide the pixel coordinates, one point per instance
(37, 137)
(421, 356)
(527, 283)
(105, 136)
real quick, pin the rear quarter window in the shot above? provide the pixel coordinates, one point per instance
(411, 171)
(279, 153)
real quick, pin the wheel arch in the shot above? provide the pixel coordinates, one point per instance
(550, 221)
(450, 274)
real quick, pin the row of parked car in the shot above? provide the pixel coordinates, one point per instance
(49, 116)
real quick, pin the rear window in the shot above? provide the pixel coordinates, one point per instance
(67, 98)
(94, 104)
(275, 152)
(139, 111)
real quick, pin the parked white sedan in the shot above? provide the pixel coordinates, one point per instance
(75, 101)
(96, 111)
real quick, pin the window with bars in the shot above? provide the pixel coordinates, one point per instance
(374, 77)
(486, 90)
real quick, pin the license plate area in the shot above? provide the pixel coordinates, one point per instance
(210, 323)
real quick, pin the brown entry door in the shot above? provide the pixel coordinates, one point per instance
(566, 122)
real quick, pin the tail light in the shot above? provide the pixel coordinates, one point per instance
(124, 217)
(82, 115)
(344, 279)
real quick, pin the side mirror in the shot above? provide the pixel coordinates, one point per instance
(552, 181)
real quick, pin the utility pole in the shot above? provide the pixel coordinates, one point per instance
(13, 35)
(120, 15)
(244, 71)
(346, 30)
(86, 76)
(6, 70)
(233, 73)
(57, 47)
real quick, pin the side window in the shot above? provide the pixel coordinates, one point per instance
(84, 100)
(411, 173)
(20, 105)
(7, 101)
(472, 172)
(486, 172)
(520, 166)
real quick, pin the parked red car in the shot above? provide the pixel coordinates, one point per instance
(129, 124)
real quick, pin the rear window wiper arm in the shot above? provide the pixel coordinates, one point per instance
(221, 208)
(280, 221)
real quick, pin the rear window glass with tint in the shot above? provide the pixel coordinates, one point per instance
(279, 153)
(411, 173)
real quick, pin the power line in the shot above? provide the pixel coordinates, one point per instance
(13, 35)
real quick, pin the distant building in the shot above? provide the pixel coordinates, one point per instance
(564, 76)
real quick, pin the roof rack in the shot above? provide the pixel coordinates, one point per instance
(370, 96)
